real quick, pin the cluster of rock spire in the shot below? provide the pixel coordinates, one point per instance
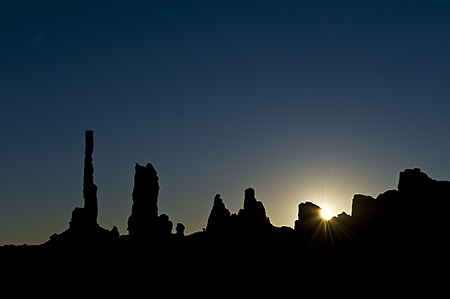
(400, 233)
(374, 223)
(144, 221)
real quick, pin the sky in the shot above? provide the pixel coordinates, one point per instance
(301, 100)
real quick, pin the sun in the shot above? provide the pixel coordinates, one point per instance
(325, 213)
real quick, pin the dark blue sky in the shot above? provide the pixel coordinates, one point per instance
(302, 100)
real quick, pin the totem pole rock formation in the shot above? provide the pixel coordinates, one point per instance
(83, 227)
(89, 188)
(87, 216)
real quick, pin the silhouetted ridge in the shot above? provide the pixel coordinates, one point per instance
(408, 221)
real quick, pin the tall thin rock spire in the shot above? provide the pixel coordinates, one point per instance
(89, 188)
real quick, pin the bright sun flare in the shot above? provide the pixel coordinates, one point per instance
(325, 213)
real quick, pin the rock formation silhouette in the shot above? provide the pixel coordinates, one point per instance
(389, 229)
(164, 227)
(219, 218)
(312, 230)
(83, 227)
(144, 222)
(250, 220)
(253, 216)
(144, 211)
(180, 230)
(308, 216)
(87, 216)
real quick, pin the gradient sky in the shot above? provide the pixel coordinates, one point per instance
(301, 100)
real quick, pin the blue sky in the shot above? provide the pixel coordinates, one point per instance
(301, 100)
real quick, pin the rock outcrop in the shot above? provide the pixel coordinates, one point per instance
(413, 181)
(308, 216)
(164, 227)
(250, 220)
(144, 211)
(364, 207)
(144, 222)
(253, 215)
(219, 218)
(180, 230)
